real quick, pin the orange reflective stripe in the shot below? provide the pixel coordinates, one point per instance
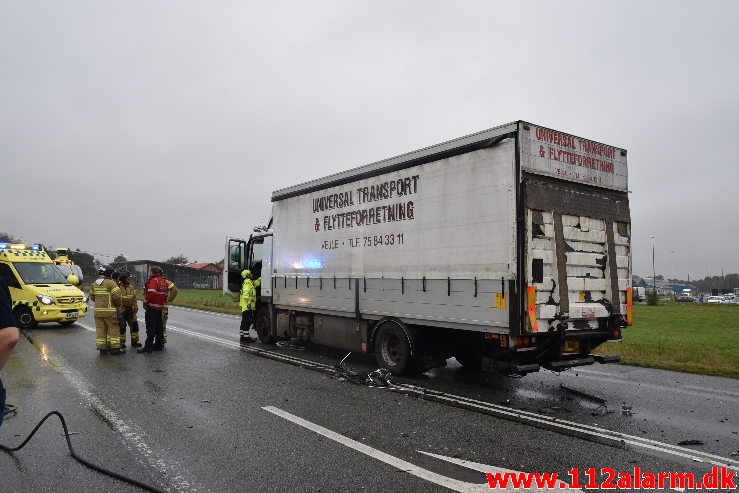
(629, 306)
(532, 309)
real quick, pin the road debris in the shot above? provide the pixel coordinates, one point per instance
(691, 442)
(290, 345)
(602, 402)
(376, 378)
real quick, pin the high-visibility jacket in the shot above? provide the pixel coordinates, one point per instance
(107, 297)
(248, 297)
(156, 293)
(128, 297)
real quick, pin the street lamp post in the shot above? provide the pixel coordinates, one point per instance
(654, 272)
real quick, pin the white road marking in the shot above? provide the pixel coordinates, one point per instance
(620, 379)
(507, 412)
(133, 436)
(405, 466)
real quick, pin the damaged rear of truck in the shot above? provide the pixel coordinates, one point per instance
(509, 249)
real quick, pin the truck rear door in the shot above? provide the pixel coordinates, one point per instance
(576, 238)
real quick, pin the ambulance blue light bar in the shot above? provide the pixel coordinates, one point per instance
(19, 246)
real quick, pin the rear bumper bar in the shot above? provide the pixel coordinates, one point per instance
(563, 364)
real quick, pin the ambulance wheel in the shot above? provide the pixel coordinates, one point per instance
(393, 349)
(24, 319)
(263, 326)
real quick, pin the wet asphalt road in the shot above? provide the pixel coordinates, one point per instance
(206, 415)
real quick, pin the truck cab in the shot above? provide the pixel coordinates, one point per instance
(40, 293)
(254, 254)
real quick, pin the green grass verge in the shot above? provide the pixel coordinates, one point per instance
(206, 299)
(688, 337)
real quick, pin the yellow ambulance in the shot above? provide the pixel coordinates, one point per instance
(39, 291)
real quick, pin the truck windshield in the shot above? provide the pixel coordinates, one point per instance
(39, 273)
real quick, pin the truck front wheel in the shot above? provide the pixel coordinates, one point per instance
(24, 319)
(393, 349)
(263, 326)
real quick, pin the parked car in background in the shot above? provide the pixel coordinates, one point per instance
(640, 293)
(715, 299)
(684, 298)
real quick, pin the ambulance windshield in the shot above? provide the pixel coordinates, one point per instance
(39, 273)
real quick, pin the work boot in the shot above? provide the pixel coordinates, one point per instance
(144, 350)
(158, 348)
(135, 344)
(117, 351)
(103, 352)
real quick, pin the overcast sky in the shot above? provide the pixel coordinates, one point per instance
(158, 128)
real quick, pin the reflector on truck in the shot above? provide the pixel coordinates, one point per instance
(532, 309)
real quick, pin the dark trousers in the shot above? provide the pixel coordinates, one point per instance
(154, 328)
(247, 318)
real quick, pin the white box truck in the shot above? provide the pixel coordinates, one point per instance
(508, 249)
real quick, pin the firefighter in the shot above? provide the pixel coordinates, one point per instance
(106, 295)
(248, 303)
(155, 298)
(130, 309)
(171, 295)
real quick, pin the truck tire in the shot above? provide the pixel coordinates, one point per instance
(263, 326)
(24, 318)
(393, 349)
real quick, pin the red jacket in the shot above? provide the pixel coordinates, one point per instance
(156, 293)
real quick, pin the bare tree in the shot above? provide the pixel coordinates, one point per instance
(177, 260)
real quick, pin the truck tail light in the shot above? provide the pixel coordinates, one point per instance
(532, 309)
(629, 306)
(523, 342)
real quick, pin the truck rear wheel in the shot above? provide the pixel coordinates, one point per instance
(24, 318)
(393, 349)
(263, 326)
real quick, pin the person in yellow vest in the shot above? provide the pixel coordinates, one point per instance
(248, 303)
(106, 295)
(62, 257)
(171, 295)
(130, 309)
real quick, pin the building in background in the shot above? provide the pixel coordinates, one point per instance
(191, 276)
